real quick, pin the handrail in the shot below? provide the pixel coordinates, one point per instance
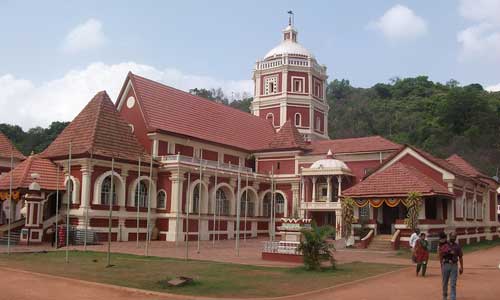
(205, 163)
(395, 236)
(368, 235)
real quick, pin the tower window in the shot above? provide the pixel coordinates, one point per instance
(298, 119)
(297, 85)
(270, 85)
(270, 118)
(318, 123)
(317, 89)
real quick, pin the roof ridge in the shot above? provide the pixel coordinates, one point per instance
(29, 162)
(96, 122)
(201, 98)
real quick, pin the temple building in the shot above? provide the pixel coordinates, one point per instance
(160, 153)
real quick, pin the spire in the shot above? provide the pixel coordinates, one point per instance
(329, 155)
(289, 33)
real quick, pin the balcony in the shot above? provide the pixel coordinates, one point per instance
(205, 163)
(320, 205)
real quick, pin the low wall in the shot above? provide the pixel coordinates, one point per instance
(291, 258)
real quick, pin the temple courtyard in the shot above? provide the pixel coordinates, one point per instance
(219, 272)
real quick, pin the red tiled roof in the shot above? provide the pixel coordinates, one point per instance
(99, 130)
(353, 145)
(6, 147)
(396, 181)
(463, 165)
(288, 137)
(175, 111)
(21, 175)
(441, 162)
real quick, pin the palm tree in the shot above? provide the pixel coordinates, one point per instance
(314, 246)
(414, 204)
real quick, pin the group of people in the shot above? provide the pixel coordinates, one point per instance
(450, 259)
(61, 235)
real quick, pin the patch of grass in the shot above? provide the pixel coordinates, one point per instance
(480, 246)
(210, 278)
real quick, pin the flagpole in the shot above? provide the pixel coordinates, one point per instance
(179, 201)
(215, 203)
(57, 208)
(68, 207)
(148, 233)
(110, 216)
(10, 198)
(273, 208)
(238, 212)
(138, 189)
(188, 207)
(87, 206)
(246, 211)
(199, 201)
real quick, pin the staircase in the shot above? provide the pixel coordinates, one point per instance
(381, 242)
(15, 235)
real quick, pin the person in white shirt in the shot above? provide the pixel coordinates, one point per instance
(414, 238)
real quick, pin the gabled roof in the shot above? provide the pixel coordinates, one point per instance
(6, 147)
(397, 181)
(464, 166)
(97, 130)
(352, 145)
(174, 111)
(440, 162)
(21, 175)
(288, 137)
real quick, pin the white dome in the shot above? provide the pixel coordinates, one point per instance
(289, 47)
(329, 163)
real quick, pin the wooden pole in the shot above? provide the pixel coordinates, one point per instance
(188, 207)
(199, 201)
(68, 207)
(10, 198)
(148, 233)
(246, 211)
(57, 208)
(215, 204)
(110, 217)
(138, 189)
(238, 212)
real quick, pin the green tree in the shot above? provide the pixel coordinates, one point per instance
(315, 247)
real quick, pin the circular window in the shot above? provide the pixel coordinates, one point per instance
(130, 102)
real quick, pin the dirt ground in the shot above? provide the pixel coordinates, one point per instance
(479, 281)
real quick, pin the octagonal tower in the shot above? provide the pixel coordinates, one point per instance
(291, 85)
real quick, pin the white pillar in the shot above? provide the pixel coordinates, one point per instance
(338, 224)
(295, 201)
(86, 185)
(329, 189)
(314, 188)
(339, 178)
(175, 231)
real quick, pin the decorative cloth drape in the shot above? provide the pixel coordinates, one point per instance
(391, 202)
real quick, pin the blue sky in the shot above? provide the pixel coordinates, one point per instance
(58, 54)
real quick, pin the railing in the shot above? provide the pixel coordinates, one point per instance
(319, 205)
(205, 163)
(285, 60)
(281, 247)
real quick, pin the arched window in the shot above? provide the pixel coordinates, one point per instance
(270, 118)
(141, 192)
(221, 203)
(196, 199)
(298, 119)
(280, 203)
(106, 191)
(266, 205)
(161, 200)
(246, 210)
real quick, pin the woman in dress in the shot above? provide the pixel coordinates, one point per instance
(422, 254)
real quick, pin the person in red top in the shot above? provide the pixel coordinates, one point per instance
(421, 254)
(450, 255)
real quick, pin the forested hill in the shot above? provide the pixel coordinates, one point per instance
(440, 118)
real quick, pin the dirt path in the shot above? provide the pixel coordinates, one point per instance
(480, 281)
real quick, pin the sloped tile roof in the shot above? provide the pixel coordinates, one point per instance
(353, 145)
(396, 181)
(6, 146)
(174, 111)
(99, 130)
(441, 162)
(21, 175)
(463, 165)
(288, 137)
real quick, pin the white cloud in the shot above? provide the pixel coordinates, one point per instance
(85, 36)
(493, 88)
(26, 104)
(400, 23)
(480, 10)
(480, 42)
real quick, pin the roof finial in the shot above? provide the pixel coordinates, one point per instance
(329, 154)
(290, 18)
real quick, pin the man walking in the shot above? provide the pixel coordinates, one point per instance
(450, 254)
(413, 240)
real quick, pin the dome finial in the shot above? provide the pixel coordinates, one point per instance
(290, 18)
(329, 154)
